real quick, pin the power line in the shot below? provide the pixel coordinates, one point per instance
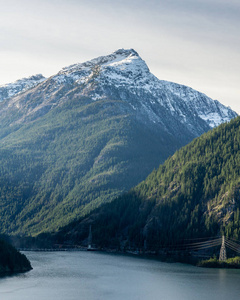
(205, 246)
(204, 243)
(203, 238)
(232, 248)
(234, 243)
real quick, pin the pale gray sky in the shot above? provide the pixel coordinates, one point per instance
(192, 42)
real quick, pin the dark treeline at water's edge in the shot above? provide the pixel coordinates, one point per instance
(11, 260)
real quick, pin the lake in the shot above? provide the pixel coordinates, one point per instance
(99, 276)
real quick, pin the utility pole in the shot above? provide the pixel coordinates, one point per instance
(223, 253)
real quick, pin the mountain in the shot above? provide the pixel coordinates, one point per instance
(87, 134)
(195, 194)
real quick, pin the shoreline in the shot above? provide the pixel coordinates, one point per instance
(150, 255)
(169, 258)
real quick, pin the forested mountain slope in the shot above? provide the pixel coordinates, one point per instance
(195, 193)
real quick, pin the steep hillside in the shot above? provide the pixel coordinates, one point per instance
(85, 135)
(194, 194)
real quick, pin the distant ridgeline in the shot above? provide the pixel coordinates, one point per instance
(194, 194)
(11, 260)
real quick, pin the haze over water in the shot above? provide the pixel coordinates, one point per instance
(97, 276)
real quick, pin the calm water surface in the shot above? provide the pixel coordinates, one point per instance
(97, 276)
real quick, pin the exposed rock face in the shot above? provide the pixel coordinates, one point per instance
(124, 76)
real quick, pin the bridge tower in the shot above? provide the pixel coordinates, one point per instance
(223, 253)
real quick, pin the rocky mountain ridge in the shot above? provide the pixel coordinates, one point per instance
(126, 69)
(124, 76)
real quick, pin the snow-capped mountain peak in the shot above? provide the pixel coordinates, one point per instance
(122, 66)
(127, 68)
(126, 71)
(124, 76)
(118, 57)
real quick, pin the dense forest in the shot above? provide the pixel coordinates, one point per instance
(194, 194)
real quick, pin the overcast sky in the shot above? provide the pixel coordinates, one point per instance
(192, 42)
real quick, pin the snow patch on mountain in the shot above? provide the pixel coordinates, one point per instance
(211, 111)
(12, 89)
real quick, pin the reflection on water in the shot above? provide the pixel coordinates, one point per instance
(98, 276)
